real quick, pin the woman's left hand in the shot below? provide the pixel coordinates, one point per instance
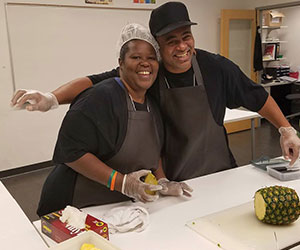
(174, 188)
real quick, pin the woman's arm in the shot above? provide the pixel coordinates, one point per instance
(159, 172)
(93, 168)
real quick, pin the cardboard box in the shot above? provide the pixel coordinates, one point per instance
(89, 237)
(272, 18)
(58, 231)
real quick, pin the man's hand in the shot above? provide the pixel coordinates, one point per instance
(174, 188)
(290, 143)
(34, 100)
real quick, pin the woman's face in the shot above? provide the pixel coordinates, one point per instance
(138, 69)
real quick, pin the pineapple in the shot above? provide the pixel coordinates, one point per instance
(277, 205)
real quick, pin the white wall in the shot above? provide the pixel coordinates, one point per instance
(292, 36)
(37, 53)
(263, 3)
(207, 15)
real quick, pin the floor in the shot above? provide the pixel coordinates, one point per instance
(26, 188)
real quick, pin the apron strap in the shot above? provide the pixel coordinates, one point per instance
(197, 72)
(130, 102)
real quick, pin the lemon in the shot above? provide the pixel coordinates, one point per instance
(87, 246)
(150, 179)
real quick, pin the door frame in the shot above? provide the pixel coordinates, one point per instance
(226, 16)
(237, 14)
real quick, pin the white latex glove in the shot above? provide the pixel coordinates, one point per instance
(126, 219)
(174, 188)
(34, 100)
(73, 217)
(135, 188)
(290, 143)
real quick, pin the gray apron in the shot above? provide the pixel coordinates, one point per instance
(140, 150)
(195, 144)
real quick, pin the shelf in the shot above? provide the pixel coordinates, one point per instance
(278, 59)
(264, 42)
(273, 27)
(271, 48)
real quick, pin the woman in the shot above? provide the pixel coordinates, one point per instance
(111, 136)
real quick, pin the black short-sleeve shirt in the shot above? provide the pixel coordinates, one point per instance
(226, 85)
(96, 123)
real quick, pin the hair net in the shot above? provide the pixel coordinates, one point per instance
(136, 31)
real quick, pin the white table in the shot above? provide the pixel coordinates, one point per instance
(16, 232)
(235, 115)
(168, 215)
(275, 83)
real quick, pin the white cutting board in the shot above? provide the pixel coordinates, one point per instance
(238, 228)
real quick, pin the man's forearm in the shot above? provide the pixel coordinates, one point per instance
(273, 114)
(67, 92)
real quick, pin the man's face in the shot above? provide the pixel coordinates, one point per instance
(176, 49)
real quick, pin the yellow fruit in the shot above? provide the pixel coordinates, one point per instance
(87, 246)
(150, 179)
(277, 205)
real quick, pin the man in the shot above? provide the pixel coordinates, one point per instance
(193, 89)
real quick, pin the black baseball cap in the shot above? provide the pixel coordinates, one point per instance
(168, 17)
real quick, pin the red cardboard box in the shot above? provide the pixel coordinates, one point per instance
(58, 231)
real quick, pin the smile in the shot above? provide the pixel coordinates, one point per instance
(144, 73)
(182, 55)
